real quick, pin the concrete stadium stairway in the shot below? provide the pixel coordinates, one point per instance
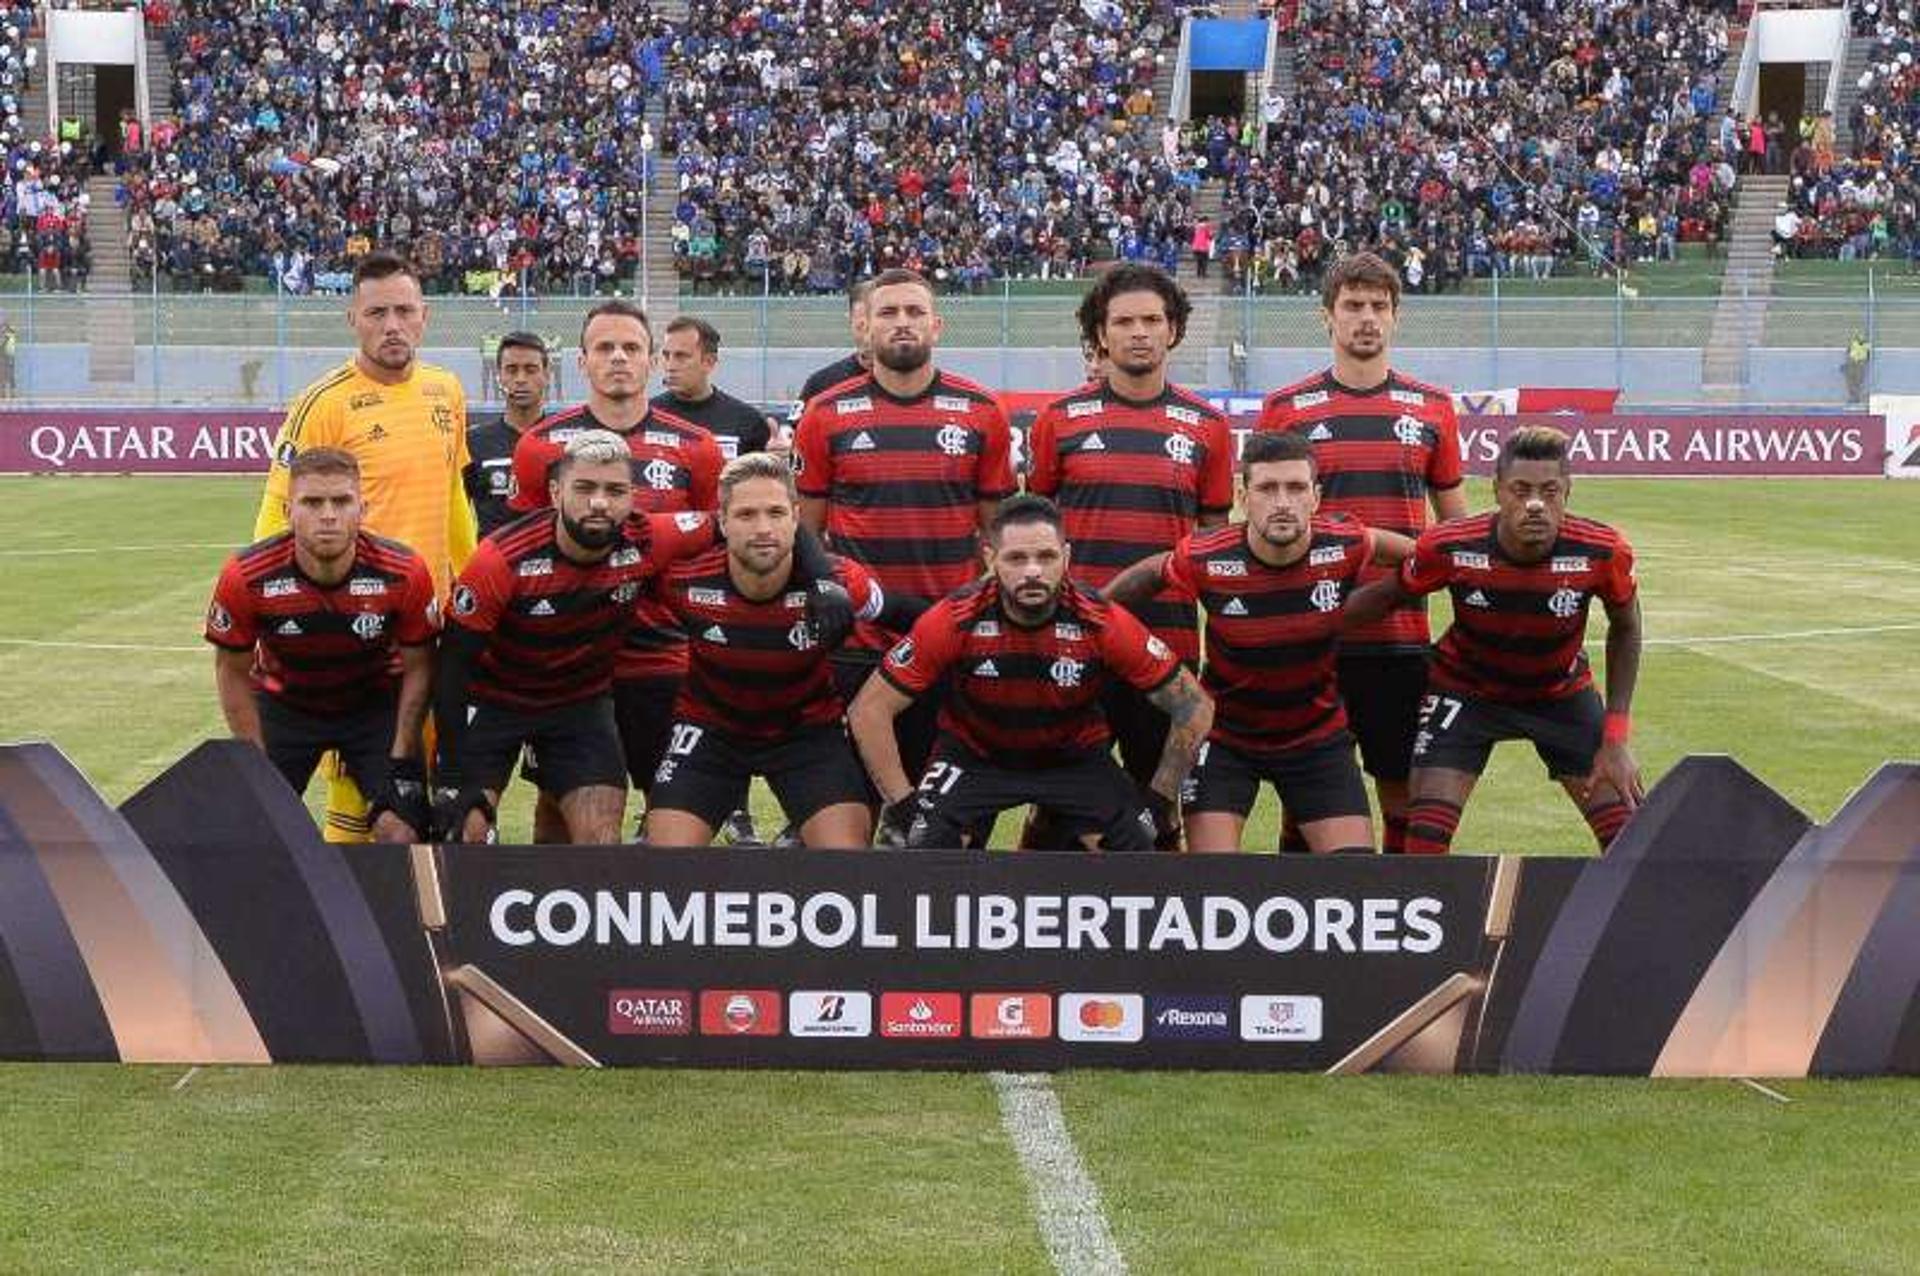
(660, 283)
(110, 310)
(1859, 48)
(1739, 321)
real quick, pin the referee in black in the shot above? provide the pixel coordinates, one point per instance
(523, 370)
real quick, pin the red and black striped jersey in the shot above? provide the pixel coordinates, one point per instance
(1131, 479)
(324, 649)
(1518, 628)
(676, 466)
(754, 673)
(1272, 631)
(553, 625)
(1379, 453)
(1027, 697)
(903, 480)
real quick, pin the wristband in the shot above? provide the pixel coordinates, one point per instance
(1619, 725)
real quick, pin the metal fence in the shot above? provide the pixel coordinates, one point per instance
(167, 348)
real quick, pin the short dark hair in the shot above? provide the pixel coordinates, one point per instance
(893, 278)
(1132, 276)
(318, 462)
(1023, 507)
(521, 341)
(1360, 270)
(1267, 446)
(617, 306)
(857, 293)
(383, 263)
(1532, 443)
(709, 335)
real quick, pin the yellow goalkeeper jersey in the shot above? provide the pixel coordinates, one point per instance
(411, 442)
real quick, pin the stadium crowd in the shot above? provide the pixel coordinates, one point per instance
(966, 140)
(43, 233)
(1460, 138)
(491, 137)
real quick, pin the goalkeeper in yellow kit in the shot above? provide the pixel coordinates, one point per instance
(406, 424)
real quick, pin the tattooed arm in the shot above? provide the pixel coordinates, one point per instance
(1190, 710)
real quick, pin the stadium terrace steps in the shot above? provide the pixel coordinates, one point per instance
(33, 104)
(107, 231)
(660, 288)
(1859, 48)
(111, 320)
(159, 77)
(1745, 289)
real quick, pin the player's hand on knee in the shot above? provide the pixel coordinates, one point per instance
(901, 821)
(401, 809)
(458, 810)
(1614, 767)
(829, 613)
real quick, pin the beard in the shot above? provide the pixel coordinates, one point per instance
(592, 536)
(896, 358)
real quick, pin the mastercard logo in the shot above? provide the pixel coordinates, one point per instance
(1102, 1014)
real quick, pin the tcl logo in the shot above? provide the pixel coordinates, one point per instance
(650, 1012)
(728, 1012)
(1011, 1016)
(930, 1015)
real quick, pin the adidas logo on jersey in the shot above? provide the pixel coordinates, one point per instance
(715, 634)
(1319, 433)
(862, 442)
(541, 608)
(1092, 443)
(376, 434)
(1477, 599)
(289, 629)
(1234, 607)
(986, 669)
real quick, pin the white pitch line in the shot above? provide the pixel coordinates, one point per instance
(1066, 1202)
(91, 646)
(1751, 1084)
(1778, 635)
(110, 549)
(181, 1084)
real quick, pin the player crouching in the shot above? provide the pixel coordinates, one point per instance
(759, 697)
(1028, 653)
(324, 635)
(1511, 666)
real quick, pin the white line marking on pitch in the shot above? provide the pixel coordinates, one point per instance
(1751, 1084)
(90, 646)
(108, 549)
(1066, 1202)
(181, 1084)
(1778, 635)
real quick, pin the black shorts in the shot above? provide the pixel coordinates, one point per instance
(575, 746)
(1382, 693)
(707, 773)
(962, 791)
(1317, 782)
(915, 727)
(1459, 731)
(295, 741)
(643, 709)
(1139, 728)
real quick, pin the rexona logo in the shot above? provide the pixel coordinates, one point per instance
(731, 1012)
(829, 1014)
(1268, 1018)
(1101, 1016)
(650, 1012)
(1010, 1016)
(920, 1014)
(1190, 1018)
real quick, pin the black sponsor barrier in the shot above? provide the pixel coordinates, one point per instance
(207, 922)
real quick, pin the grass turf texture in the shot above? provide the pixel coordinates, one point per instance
(357, 1169)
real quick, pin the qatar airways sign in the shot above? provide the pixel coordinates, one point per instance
(1752, 446)
(136, 441)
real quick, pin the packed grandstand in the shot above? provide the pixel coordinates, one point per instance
(808, 144)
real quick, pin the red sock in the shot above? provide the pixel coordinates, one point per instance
(1431, 824)
(1606, 820)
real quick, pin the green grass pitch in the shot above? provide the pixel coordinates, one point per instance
(1783, 621)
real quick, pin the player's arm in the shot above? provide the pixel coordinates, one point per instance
(1189, 711)
(233, 680)
(313, 421)
(811, 458)
(1446, 470)
(1136, 584)
(416, 690)
(870, 720)
(1449, 503)
(1389, 549)
(1216, 475)
(1614, 763)
(463, 525)
(1420, 573)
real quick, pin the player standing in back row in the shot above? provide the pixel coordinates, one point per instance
(902, 466)
(1135, 464)
(1385, 447)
